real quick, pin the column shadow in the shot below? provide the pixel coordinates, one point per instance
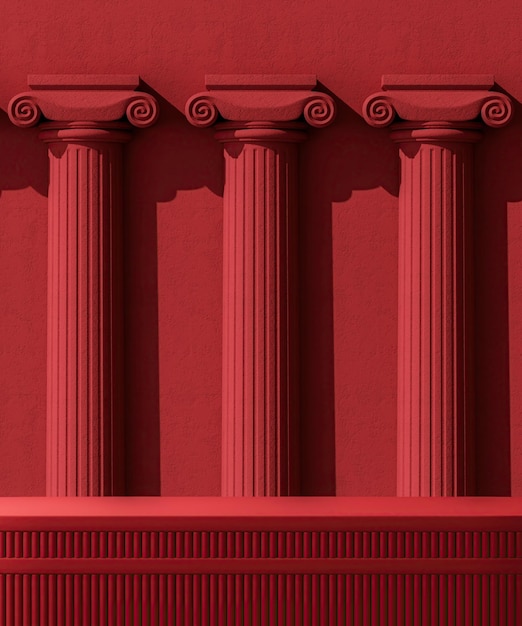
(336, 161)
(160, 161)
(23, 331)
(498, 163)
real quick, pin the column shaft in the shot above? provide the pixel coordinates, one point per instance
(260, 326)
(84, 439)
(434, 344)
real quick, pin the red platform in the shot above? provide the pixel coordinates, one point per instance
(261, 561)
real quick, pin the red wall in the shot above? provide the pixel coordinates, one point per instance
(347, 233)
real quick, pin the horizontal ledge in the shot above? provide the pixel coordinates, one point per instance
(83, 81)
(244, 514)
(200, 566)
(260, 81)
(438, 81)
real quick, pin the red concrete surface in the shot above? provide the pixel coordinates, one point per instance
(348, 234)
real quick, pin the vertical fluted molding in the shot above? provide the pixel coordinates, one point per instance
(85, 322)
(435, 374)
(260, 402)
(72, 577)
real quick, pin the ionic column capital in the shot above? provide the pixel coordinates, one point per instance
(260, 98)
(95, 99)
(431, 99)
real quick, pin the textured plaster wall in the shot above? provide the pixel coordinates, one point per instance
(348, 232)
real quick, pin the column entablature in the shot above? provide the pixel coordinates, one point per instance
(66, 99)
(429, 100)
(264, 98)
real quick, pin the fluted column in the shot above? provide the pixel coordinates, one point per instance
(435, 401)
(259, 310)
(85, 321)
(84, 436)
(435, 338)
(260, 377)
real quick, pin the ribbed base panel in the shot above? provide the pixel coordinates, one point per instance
(260, 561)
(160, 599)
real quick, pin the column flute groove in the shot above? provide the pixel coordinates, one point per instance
(436, 120)
(85, 121)
(260, 125)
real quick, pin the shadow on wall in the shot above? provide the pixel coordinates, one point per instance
(169, 157)
(336, 161)
(23, 310)
(498, 163)
(24, 158)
